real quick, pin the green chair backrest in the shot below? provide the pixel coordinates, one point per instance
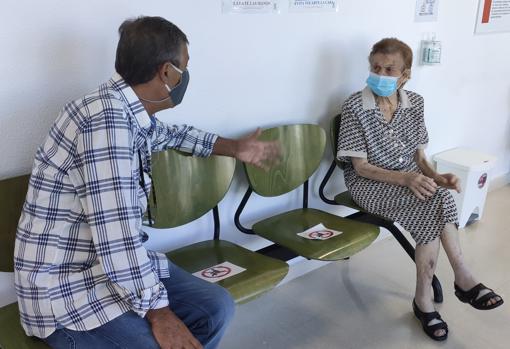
(12, 196)
(302, 149)
(333, 132)
(187, 187)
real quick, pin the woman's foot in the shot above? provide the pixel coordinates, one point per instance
(431, 322)
(465, 285)
(479, 296)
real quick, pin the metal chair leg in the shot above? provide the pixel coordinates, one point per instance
(438, 290)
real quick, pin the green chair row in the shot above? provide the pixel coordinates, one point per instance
(186, 188)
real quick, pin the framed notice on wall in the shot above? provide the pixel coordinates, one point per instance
(426, 10)
(249, 6)
(493, 16)
(313, 5)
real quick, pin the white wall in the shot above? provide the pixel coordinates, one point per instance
(249, 71)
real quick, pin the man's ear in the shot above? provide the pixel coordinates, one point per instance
(163, 72)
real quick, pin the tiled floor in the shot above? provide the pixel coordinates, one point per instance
(366, 302)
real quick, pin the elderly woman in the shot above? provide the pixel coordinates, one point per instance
(382, 138)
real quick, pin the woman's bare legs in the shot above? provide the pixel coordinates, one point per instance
(463, 277)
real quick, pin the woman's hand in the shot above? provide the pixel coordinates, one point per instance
(448, 181)
(422, 186)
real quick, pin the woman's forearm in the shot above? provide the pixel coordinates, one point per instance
(421, 185)
(426, 168)
(364, 169)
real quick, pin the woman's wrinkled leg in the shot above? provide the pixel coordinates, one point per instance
(463, 276)
(426, 261)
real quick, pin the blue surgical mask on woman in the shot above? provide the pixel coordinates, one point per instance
(381, 85)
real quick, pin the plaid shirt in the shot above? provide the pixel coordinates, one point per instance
(79, 258)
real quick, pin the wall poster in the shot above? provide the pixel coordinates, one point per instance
(493, 16)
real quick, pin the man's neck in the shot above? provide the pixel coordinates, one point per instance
(146, 92)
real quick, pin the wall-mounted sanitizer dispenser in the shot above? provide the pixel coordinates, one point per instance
(430, 51)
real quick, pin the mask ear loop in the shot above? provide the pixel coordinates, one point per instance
(153, 101)
(180, 80)
(167, 88)
(159, 100)
(406, 72)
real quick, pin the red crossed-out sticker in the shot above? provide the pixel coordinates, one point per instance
(321, 234)
(216, 272)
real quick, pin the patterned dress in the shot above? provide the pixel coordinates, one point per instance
(364, 133)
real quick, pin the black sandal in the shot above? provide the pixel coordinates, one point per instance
(481, 303)
(425, 318)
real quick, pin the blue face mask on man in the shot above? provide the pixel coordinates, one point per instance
(383, 86)
(177, 92)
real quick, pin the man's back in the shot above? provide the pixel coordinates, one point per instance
(78, 250)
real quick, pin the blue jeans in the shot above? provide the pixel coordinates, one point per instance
(205, 308)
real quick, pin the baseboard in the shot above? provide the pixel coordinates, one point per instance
(499, 182)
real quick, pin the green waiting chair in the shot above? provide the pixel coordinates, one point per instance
(302, 150)
(12, 197)
(187, 187)
(345, 199)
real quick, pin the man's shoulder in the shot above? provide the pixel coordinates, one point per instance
(102, 103)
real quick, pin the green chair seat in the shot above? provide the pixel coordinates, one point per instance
(345, 199)
(12, 335)
(283, 229)
(262, 273)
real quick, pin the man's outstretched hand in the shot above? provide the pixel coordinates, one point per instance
(258, 153)
(250, 150)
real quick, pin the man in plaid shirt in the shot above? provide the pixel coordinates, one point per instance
(83, 277)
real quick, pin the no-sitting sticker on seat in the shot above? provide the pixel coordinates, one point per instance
(319, 232)
(219, 272)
